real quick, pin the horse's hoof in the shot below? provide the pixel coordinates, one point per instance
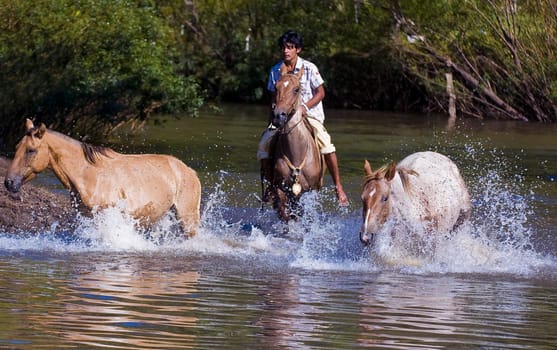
(366, 238)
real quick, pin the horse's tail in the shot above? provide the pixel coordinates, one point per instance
(188, 196)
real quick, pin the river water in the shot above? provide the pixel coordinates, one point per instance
(239, 284)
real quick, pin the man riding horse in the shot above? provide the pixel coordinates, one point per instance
(313, 93)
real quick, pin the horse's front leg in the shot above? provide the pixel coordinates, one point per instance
(281, 205)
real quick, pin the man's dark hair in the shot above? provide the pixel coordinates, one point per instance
(291, 37)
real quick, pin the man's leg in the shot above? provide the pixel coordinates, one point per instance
(332, 165)
(328, 151)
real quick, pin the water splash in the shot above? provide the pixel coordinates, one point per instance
(496, 240)
(498, 237)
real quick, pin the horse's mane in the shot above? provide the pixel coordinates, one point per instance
(377, 174)
(403, 173)
(93, 152)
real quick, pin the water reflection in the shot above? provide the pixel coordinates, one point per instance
(163, 301)
(278, 300)
(439, 312)
(126, 305)
(307, 310)
(413, 315)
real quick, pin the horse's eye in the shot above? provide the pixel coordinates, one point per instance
(296, 90)
(385, 198)
(30, 151)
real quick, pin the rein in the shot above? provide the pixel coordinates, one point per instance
(295, 170)
(283, 130)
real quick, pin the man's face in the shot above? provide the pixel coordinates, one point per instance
(290, 52)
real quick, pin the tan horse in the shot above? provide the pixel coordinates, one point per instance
(99, 177)
(425, 190)
(298, 164)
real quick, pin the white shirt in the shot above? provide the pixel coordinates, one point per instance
(311, 80)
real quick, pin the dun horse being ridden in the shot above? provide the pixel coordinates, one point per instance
(98, 177)
(298, 164)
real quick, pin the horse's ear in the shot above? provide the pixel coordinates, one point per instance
(391, 171)
(28, 124)
(283, 69)
(300, 73)
(41, 131)
(367, 168)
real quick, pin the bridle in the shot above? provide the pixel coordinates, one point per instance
(285, 130)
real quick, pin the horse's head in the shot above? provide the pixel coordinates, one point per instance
(31, 157)
(376, 200)
(288, 96)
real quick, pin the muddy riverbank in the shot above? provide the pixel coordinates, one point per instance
(36, 210)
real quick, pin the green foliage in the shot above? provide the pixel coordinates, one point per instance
(88, 66)
(502, 54)
(214, 44)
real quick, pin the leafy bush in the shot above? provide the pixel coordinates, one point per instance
(86, 67)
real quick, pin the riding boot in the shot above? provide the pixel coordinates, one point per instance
(267, 180)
